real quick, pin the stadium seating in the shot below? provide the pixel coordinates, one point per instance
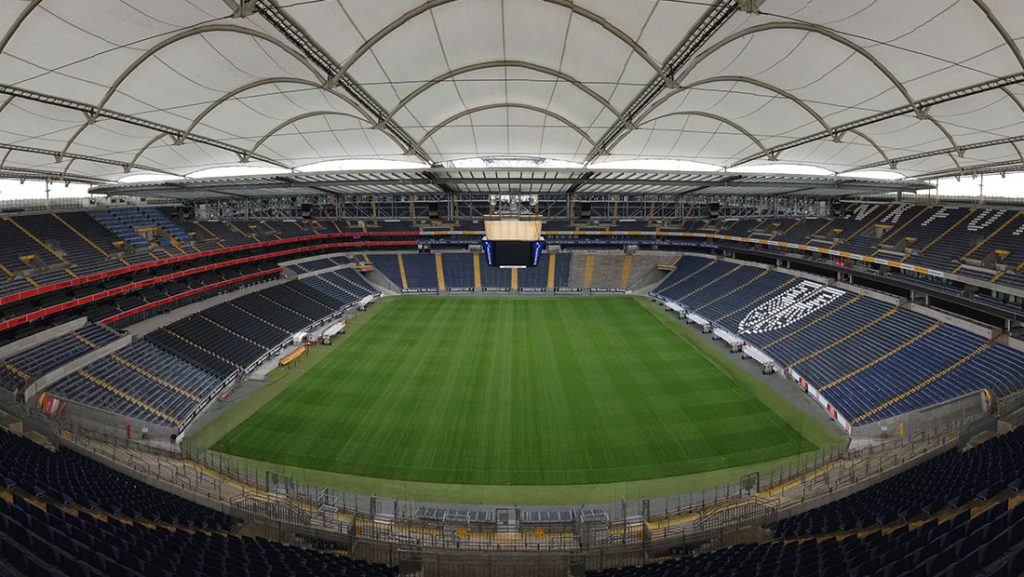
(68, 477)
(53, 542)
(870, 359)
(266, 335)
(958, 547)
(345, 285)
(19, 370)
(951, 479)
(42, 249)
(318, 264)
(420, 270)
(458, 270)
(143, 382)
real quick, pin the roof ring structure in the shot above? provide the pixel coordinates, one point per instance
(531, 107)
(502, 64)
(567, 4)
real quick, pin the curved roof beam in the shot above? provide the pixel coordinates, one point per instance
(721, 119)
(298, 118)
(531, 107)
(745, 80)
(502, 64)
(263, 82)
(184, 34)
(145, 147)
(827, 33)
(811, 28)
(17, 23)
(774, 89)
(869, 140)
(567, 4)
(1003, 33)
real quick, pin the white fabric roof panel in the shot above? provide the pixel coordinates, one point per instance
(183, 86)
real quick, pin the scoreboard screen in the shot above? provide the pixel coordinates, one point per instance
(512, 253)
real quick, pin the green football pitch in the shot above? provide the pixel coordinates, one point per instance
(517, 391)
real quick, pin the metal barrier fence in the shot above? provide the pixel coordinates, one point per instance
(295, 508)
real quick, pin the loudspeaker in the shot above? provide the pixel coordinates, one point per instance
(714, 209)
(836, 209)
(584, 210)
(307, 210)
(433, 210)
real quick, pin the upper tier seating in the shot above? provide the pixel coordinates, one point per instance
(63, 231)
(17, 371)
(870, 359)
(67, 476)
(946, 238)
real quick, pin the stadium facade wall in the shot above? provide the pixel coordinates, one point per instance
(986, 332)
(115, 425)
(11, 349)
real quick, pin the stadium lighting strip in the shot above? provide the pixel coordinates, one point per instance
(172, 276)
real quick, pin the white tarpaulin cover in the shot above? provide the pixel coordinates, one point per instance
(102, 88)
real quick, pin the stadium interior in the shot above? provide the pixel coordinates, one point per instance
(548, 288)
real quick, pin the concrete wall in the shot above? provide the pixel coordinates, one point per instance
(986, 332)
(323, 271)
(969, 405)
(112, 424)
(11, 349)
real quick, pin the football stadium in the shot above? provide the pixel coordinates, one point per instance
(503, 288)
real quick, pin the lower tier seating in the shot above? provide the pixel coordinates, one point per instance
(871, 359)
(951, 479)
(67, 477)
(53, 542)
(958, 547)
(141, 381)
(17, 371)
